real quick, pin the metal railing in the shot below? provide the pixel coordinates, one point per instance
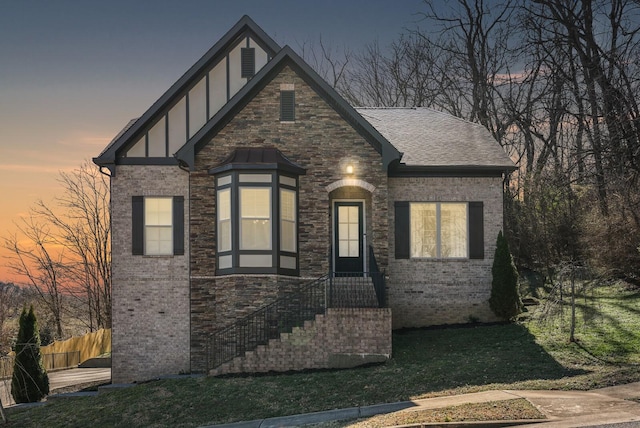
(343, 290)
(354, 290)
(266, 323)
(378, 278)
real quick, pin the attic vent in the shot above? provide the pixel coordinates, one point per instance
(248, 62)
(287, 106)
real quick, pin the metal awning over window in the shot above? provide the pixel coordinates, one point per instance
(257, 159)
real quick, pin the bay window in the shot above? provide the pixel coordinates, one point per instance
(255, 218)
(288, 220)
(256, 215)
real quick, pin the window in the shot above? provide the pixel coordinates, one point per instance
(439, 230)
(287, 106)
(255, 218)
(349, 225)
(288, 220)
(224, 220)
(158, 228)
(157, 225)
(256, 215)
(248, 59)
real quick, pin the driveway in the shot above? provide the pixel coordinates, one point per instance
(60, 379)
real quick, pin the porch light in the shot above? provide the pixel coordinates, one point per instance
(349, 169)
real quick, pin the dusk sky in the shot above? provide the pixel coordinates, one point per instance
(73, 73)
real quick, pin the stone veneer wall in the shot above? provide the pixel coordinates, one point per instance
(424, 292)
(321, 142)
(150, 294)
(340, 339)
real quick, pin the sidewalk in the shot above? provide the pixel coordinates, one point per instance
(562, 408)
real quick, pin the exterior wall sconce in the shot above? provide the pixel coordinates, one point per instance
(349, 169)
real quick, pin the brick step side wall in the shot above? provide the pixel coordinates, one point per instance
(341, 338)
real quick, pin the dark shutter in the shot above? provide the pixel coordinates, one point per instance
(402, 231)
(178, 225)
(287, 106)
(137, 225)
(248, 58)
(476, 230)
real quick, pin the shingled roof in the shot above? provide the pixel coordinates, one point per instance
(429, 138)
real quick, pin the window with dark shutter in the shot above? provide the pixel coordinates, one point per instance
(402, 233)
(287, 106)
(150, 234)
(476, 230)
(248, 58)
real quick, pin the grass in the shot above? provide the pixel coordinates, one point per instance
(531, 354)
(508, 410)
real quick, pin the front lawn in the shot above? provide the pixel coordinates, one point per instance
(531, 354)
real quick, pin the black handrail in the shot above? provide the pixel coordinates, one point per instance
(378, 278)
(267, 323)
(344, 290)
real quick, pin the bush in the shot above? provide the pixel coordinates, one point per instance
(611, 242)
(30, 382)
(505, 298)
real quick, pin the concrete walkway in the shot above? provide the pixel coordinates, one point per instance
(562, 408)
(60, 379)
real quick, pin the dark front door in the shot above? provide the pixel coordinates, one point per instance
(348, 232)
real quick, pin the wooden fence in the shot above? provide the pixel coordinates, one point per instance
(65, 354)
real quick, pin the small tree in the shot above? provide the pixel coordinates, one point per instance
(505, 299)
(30, 382)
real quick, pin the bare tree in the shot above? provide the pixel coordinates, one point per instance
(37, 257)
(64, 250)
(329, 61)
(10, 304)
(83, 227)
(474, 39)
(402, 75)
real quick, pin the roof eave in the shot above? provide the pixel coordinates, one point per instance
(403, 170)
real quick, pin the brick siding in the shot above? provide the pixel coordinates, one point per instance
(426, 292)
(320, 141)
(150, 294)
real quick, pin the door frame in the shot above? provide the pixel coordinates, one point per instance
(334, 250)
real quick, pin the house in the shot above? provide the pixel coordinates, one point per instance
(261, 223)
